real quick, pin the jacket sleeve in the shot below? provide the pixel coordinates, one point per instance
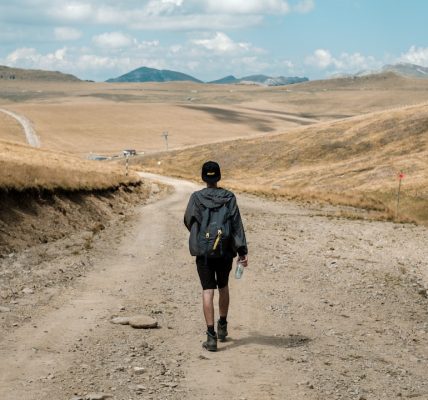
(190, 214)
(238, 233)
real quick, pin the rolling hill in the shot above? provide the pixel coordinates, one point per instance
(353, 161)
(145, 74)
(11, 74)
(24, 167)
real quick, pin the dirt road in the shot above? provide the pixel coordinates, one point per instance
(328, 309)
(30, 133)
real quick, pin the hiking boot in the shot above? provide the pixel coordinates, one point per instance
(222, 331)
(211, 343)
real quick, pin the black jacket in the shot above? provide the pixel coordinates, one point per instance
(214, 197)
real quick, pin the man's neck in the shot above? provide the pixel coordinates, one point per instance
(212, 186)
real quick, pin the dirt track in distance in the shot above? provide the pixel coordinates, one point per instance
(328, 309)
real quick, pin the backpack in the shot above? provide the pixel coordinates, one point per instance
(213, 237)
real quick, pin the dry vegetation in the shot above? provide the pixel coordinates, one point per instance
(107, 117)
(18, 74)
(23, 167)
(310, 140)
(10, 129)
(352, 162)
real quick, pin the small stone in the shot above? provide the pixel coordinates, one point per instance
(143, 322)
(140, 388)
(77, 398)
(120, 320)
(98, 396)
(4, 309)
(139, 370)
(170, 384)
(27, 290)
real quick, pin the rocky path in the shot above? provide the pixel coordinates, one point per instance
(328, 309)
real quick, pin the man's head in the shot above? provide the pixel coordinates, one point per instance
(211, 172)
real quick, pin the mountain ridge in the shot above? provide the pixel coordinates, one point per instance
(146, 74)
(402, 69)
(10, 73)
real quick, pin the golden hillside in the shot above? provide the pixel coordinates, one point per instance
(13, 74)
(23, 167)
(353, 161)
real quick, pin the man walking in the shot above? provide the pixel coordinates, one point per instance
(216, 237)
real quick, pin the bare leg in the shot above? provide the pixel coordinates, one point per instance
(223, 301)
(208, 306)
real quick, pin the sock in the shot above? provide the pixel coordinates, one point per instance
(210, 329)
(223, 320)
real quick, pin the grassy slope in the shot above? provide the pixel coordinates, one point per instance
(6, 73)
(353, 161)
(10, 129)
(23, 167)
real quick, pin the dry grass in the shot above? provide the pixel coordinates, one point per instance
(10, 129)
(350, 162)
(23, 167)
(107, 117)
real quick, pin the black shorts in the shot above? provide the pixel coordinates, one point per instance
(216, 273)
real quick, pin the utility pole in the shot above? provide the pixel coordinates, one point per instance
(165, 134)
(400, 178)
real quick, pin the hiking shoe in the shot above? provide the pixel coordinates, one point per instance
(222, 331)
(211, 343)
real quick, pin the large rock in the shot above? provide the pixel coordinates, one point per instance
(143, 322)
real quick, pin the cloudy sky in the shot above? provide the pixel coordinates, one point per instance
(209, 39)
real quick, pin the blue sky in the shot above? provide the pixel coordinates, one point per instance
(213, 38)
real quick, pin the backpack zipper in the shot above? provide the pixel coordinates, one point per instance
(217, 240)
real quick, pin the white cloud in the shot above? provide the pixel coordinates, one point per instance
(71, 11)
(247, 6)
(221, 43)
(30, 58)
(161, 7)
(194, 22)
(66, 33)
(345, 62)
(156, 14)
(320, 59)
(113, 40)
(416, 55)
(304, 6)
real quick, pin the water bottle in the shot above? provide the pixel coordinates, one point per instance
(239, 269)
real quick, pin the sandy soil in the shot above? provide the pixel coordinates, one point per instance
(328, 309)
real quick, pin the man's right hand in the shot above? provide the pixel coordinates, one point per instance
(243, 260)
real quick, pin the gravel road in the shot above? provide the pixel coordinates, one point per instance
(329, 308)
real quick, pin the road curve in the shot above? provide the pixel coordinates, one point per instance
(32, 138)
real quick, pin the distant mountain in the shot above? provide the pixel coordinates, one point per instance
(7, 73)
(145, 74)
(408, 70)
(260, 80)
(402, 69)
(227, 80)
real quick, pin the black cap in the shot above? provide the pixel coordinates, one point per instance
(211, 172)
